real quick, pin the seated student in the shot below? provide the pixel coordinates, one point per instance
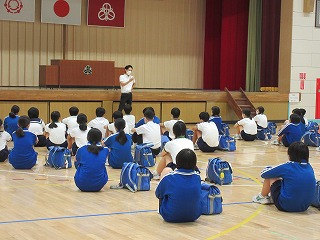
(302, 123)
(290, 133)
(179, 192)
(10, 123)
(128, 117)
(303, 113)
(23, 155)
(172, 148)
(261, 119)
(100, 122)
(168, 125)
(78, 136)
(4, 138)
(150, 132)
(55, 132)
(111, 129)
(246, 127)
(291, 184)
(91, 174)
(37, 126)
(206, 134)
(71, 121)
(216, 118)
(119, 145)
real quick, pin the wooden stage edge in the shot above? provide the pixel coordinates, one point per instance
(139, 95)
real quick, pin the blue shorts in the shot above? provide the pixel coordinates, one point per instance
(204, 147)
(275, 193)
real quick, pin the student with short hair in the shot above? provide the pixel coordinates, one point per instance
(10, 122)
(111, 129)
(291, 132)
(216, 118)
(55, 131)
(291, 185)
(91, 174)
(119, 145)
(168, 125)
(71, 121)
(78, 136)
(37, 126)
(150, 132)
(261, 119)
(4, 138)
(171, 149)
(246, 127)
(23, 155)
(100, 122)
(128, 117)
(206, 134)
(179, 192)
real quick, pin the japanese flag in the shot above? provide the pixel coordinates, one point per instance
(17, 10)
(61, 11)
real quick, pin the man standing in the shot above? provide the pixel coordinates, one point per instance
(126, 83)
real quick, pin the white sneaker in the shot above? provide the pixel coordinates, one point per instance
(275, 142)
(261, 199)
(156, 175)
(195, 146)
(318, 149)
(237, 137)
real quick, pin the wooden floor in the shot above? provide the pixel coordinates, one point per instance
(44, 203)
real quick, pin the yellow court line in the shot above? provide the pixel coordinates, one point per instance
(248, 219)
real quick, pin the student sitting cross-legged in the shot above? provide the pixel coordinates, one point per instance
(246, 127)
(179, 192)
(56, 131)
(290, 186)
(91, 174)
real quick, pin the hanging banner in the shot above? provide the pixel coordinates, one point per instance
(17, 10)
(302, 77)
(106, 13)
(61, 12)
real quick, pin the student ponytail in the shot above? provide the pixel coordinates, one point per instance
(14, 111)
(120, 124)
(55, 115)
(23, 122)
(82, 121)
(94, 137)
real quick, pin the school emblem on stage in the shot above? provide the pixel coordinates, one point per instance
(87, 70)
(13, 6)
(106, 12)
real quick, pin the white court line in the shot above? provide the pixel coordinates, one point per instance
(39, 174)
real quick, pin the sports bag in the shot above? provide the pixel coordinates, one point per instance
(135, 177)
(58, 157)
(143, 155)
(211, 199)
(225, 129)
(227, 143)
(312, 126)
(272, 128)
(264, 134)
(316, 200)
(219, 171)
(311, 139)
(189, 134)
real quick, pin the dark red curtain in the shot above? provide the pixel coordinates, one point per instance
(226, 44)
(270, 37)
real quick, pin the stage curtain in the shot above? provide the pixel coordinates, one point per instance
(254, 46)
(270, 35)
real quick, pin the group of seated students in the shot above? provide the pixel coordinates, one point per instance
(99, 141)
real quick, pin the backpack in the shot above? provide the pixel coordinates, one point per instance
(58, 157)
(219, 171)
(311, 139)
(227, 143)
(135, 177)
(312, 126)
(211, 199)
(225, 129)
(264, 134)
(272, 128)
(143, 155)
(189, 134)
(316, 200)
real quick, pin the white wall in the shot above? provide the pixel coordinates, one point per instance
(305, 58)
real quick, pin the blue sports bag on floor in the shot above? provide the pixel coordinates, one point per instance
(143, 155)
(219, 171)
(58, 157)
(211, 199)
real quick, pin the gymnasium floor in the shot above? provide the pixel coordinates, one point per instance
(44, 203)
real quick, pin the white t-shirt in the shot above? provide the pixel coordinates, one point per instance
(113, 130)
(249, 126)
(169, 126)
(57, 135)
(80, 137)
(261, 120)
(37, 126)
(130, 121)
(71, 123)
(99, 123)
(150, 133)
(175, 146)
(4, 138)
(210, 133)
(123, 79)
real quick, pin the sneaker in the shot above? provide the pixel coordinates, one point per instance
(270, 197)
(275, 142)
(237, 137)
(261, 199)
(156, 175)
(196, 147)
(318, 149)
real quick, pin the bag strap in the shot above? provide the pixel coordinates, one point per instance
(134, 189)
